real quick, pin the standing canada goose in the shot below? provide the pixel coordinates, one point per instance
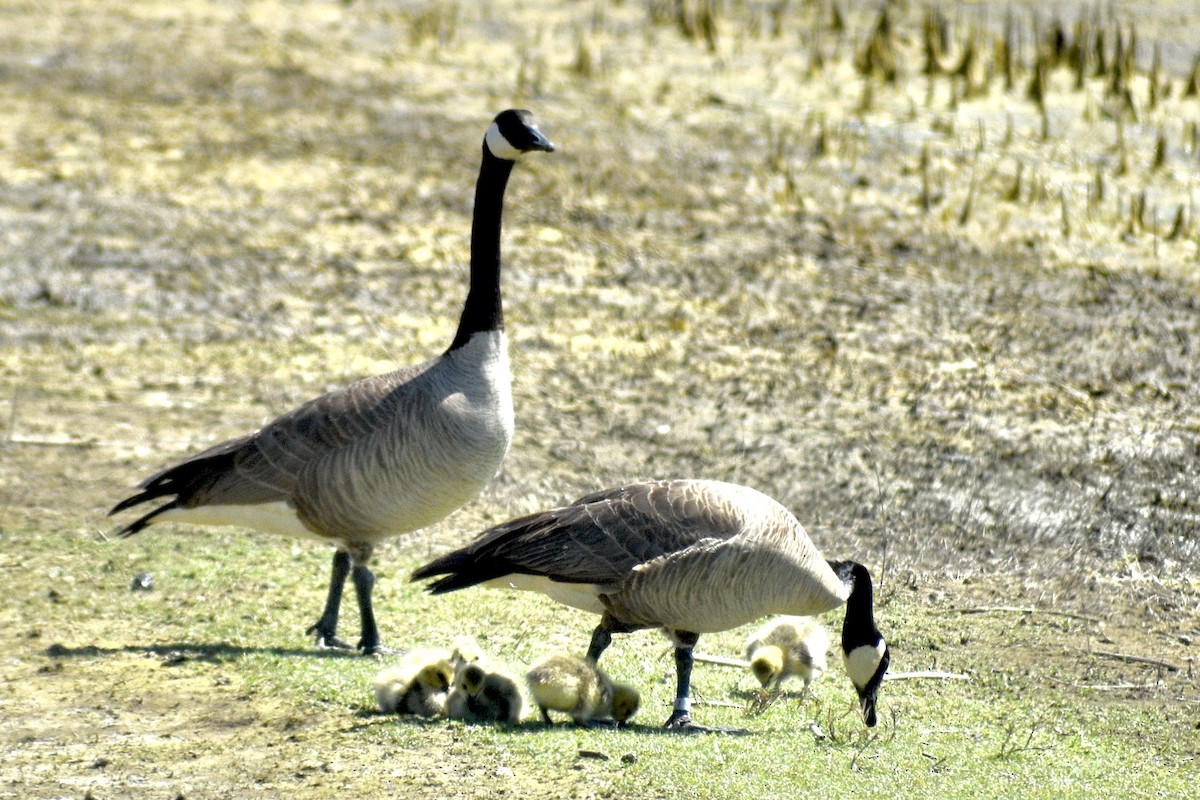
(577, 687)
(386, 455)
(484, 695)
(788, 646)
(687, 556)
(416, 685)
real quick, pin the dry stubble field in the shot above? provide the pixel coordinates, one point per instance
(956, 332)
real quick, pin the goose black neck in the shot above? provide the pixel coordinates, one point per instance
(859, 626)
(483, 310)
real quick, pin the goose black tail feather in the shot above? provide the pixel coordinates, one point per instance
(482, 559)
(180, 483)
(151, 493)
(159, 486)
(451, 583)
(460, 570)
(145, 519)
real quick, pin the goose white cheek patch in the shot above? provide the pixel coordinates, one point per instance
(498, 145)
(862, 661)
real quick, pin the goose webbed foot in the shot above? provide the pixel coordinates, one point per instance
(376, 649)
(681, 721)
(327, 639)
(678, 719)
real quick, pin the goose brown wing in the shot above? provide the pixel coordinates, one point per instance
(600, 539)
(304, 444)
(269, 464)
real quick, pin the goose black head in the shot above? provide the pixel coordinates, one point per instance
(863, 648)
(513, 134)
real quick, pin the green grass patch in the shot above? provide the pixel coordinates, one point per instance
(239, 603)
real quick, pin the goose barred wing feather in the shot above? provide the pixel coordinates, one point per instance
(696, 556)
(299, 450)
(602, 538)
(599, 539)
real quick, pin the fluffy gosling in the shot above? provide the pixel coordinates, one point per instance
(416, 685)
(576, 687)
(788, 646)
(626, 701)
(465, 650)
(483, 695)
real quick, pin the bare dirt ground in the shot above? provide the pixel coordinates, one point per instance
(210, 212)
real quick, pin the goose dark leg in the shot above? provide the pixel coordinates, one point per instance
(681, 717)
(364, 582)
(325, 628)
(602, 636)
(601, 639)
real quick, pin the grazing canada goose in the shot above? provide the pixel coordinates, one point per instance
(416, 685)
(788, 646)
(687, 556)
(386, 455)
(574, 686)
(484, 695)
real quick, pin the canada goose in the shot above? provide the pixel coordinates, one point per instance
(484, 695)
(572, 685)
(687, 556)
(416, 685)
(385, 455)
(788, 646)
